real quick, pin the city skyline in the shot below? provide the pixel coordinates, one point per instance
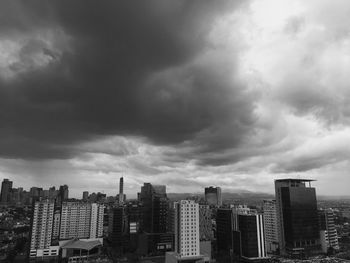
(232, 94)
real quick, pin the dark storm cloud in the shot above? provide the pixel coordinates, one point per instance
(87, 68)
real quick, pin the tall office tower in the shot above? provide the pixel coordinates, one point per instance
(213, 196)
(224, 228)
(42, 230)
(6, 188)
(270, 224)
(205, 223)
(118, 227)
(154, 208)
(121, 191)
(240, 234)
(134, 219)
(297, 217)
(248, 236)
(85, 195)
(187, 229)
(328, 232)
(81, 220)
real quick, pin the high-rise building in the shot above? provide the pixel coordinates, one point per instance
(154, 208)
(56, 225)
(118, 228)
(187, 228)
(6, 188)
(134, 218)
(328, 232)
(205, 223)
(213, 196)
(121, 191)
(248, 237)
(35, 194)
(187, 244)
(63, 193)
(42, 224)
(52, 193)
(270, 224)
(85, 195)
(81, 220)
(240, 234)
(224, 229)
(297, 217)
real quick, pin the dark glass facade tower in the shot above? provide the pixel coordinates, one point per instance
(224, 228)
(249, 236)
(118, 228)
(154, 209)
(297, 217)
(6, 188)
(213, 196)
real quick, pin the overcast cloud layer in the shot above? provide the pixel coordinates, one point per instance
(182, 93)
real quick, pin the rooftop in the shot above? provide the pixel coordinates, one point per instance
(79, 244)
(294, 180)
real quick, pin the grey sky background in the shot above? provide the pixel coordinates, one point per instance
(182, 93)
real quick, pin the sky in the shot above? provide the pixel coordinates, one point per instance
(182, 93)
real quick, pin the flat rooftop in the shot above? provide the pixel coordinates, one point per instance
(294, 180)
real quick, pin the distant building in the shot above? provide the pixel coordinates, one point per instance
(328, 232)
(213, 196)
(270, 224)
(52, 193)
(297, 217)
(41, 234)
(81, 220)
(6, 188)
(35, 194)
(85, 195)
(121, 198)
(63, 194)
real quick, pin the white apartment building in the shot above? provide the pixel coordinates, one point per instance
(328, 232)
(81, 220)
(270, 225)
(56, 224)
(40, 243)
(187, 228)
(96, 225)
(187, 244)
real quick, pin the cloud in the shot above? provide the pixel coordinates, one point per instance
(189, 93)
(106, 74)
